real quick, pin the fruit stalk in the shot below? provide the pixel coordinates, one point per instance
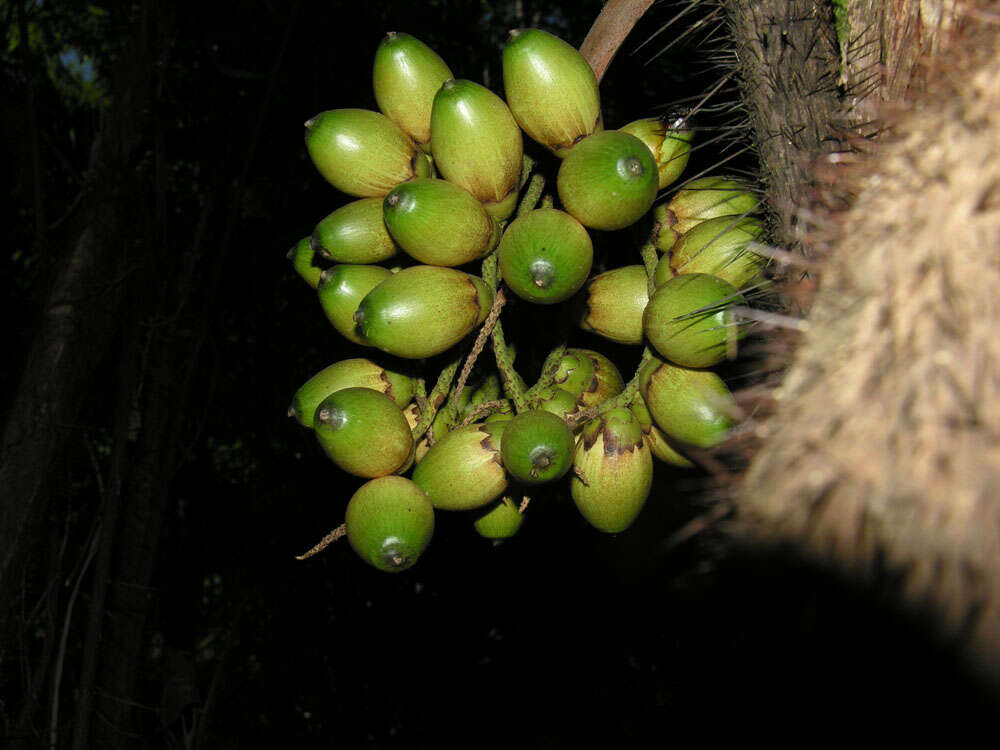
(530, 198)
(650, 259)
(477, 348)
(429, 407)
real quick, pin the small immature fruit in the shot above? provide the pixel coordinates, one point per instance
(439, 223)
(656, 441)
(575, 373)
(551, 89)
(700, 200)
(363, 153)
(348, 373)
(389, 523)
(463, 469)
(717, 247)
(689, 320)
(608, 180)
(423, 311)
(341, 289)
(557, 401)
(504, 414)
(545, 256)
(669, 142)
(606, 382)
(477, 144)
(537, 447)
(499, 521)
(406, 76)
(613, 471)
(364, 432)
(614, 304)
(693, 406)
(355, 233)
(305, 262)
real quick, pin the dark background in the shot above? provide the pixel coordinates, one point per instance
(152, 511)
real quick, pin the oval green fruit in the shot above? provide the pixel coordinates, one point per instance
(341, 289)
(656, 441)
(700, 200)
(348, 373)
(556, 401)
(306, 263)
(606, 382)
(551, 89)
(389, 523)
(537, 447)
(439, 223)
(717, 247)
(500, 521)
(668, 140)
(575, 373)
(693, 406)
(423, 311)
(545, 256)
(614, 304)
(363, 432)
(355, 233)
(689, 320)
(463, 470)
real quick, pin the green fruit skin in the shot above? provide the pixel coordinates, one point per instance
(389, 523)
(700, 200)
(364, 432)
(537, 447)
(423, 311)
(545, 256)
(669, 144)
(717, 247)
(355, 233)
(656, 441)
(556, 401)
(406, 76)
(551, 89)
(305, 261)
(693, 406)
(500, 521)
(575, 373)
(608, 180)
(348, 373)
(617, 467)
(341, 289)
(363, 153)
(606, 382)
(683, 335)
(463, 470)
(477, 144)
(439, 223)
(614, 304)
(504, 414)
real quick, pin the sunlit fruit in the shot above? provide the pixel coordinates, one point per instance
(693, 406)
(537, 447)
(700, 200)
(389, 523)
(355, 233)
(717, 247)
(348, 373)
(463, 469)
(656, 441)
(614, 302)
(341, 289)
(363, 432)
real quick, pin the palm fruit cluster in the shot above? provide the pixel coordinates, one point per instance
(448, 218)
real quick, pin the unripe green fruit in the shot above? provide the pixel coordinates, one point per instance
(389, 523)
(499, 521)
(613, 471)
(504, 414)
(463, 470)
(717, 247)
(363, 153)
(364, 432)
(700, 200)
(556, 401)
(406, 76)
(477, 144)
(341, 289)
(355, 233)
(488, 390)
(656, 441)
(545, 256)
(439, 223)
(606, 382)
(551, 89)
(575, 373)
(348, 373)
(608, 180)
(693, 406)
(537, 447)
(668, 141)
(423, 311)
(615, 301)
(306, 262)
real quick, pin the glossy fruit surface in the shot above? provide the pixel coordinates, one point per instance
(668, 140)
(499, 521)
(556, 401)
(693, 406)
(355, 233)
(306, 262)
(537, 447)
(463, 470)
(341, 289)
(700, 200)
(575, 373)
(717, 247)
(606, 382)
(363, 432)
(614, 303)
(656, 441)
(348, 373)
(545, 256)
(389, 523)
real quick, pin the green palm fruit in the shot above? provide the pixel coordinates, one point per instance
(693, 406)
(477, 144)
(439, 223)
(668, 140)
(364, 432)
(614, 304)
(504, 414)
(717, 247)
(439, 428)
(608, 180)
(613, 471)
(305, 262)
(354, 233)
(499, 521)
(463, 470)
(406, 76)
(537, 447)
(689, 320)
(556, 401)
(423, 311)
(656, 441)
(389, 523)
(348, 373)
(545, 256)
(551, 89)
(341, 289)
(699, 200)
(607, 380)
(575, 373)
(363, 153)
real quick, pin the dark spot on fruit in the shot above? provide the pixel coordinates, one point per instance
(332, 417)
